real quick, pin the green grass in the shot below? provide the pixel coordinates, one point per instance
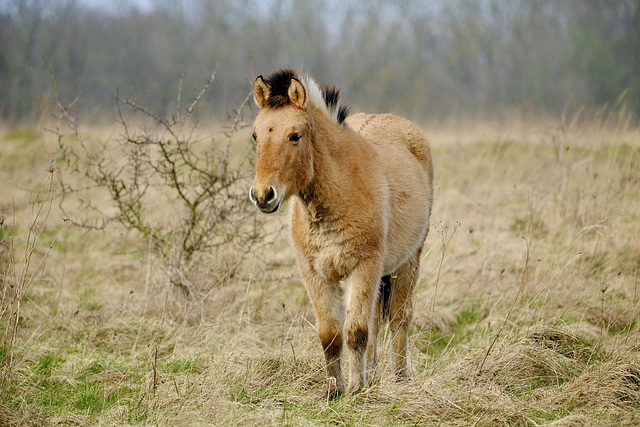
(57, 385)
(505, 332)
(28, 134)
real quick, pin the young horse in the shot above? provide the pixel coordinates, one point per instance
(362, 194)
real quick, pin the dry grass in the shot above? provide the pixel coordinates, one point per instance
(526, 313)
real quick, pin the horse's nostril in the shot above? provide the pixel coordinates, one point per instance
(271, 195)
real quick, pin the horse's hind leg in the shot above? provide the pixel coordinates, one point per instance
(401, 310)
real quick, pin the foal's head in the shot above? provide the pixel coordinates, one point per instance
(284, 162)
(284, 134)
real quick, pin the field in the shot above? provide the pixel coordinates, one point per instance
(526, 312)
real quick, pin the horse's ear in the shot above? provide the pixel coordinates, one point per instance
(297, 94)
(261, 92)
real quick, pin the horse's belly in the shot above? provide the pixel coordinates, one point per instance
(409, 220)
(401, 247)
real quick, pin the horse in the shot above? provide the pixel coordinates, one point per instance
(361, 188)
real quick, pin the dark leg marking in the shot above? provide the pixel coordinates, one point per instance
(359, 339)
(332, 346)
(385, 293)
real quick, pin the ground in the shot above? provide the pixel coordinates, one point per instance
(525, 314)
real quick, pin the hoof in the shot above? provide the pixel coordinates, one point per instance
(334, 389)
(373, 380)
(403, 379)
(355, 389)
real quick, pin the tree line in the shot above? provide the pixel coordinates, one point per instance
(415, 57)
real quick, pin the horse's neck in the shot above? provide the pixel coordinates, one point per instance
(325, 192)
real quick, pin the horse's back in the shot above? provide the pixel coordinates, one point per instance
(389, 132)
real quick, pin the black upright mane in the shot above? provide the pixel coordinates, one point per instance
(280, 80)
(331, 97)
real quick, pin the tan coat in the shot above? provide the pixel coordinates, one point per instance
(362, 196)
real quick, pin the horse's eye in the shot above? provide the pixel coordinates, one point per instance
(253, 135)
(295, 137)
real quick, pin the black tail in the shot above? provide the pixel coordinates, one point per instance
(385, 292)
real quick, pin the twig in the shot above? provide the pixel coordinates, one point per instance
(445, 238)
(179, 98)
(20, 282)
(154, 365)
(191, 108)
(506, 319)
(234, 127)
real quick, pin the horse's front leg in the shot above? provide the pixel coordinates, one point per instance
(363, 293)
(327, 300)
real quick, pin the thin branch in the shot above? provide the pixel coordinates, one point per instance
(179, 99)
(234, 127)
(511, 308)
(191, 108)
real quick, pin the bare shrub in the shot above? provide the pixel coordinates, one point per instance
(159, 178)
